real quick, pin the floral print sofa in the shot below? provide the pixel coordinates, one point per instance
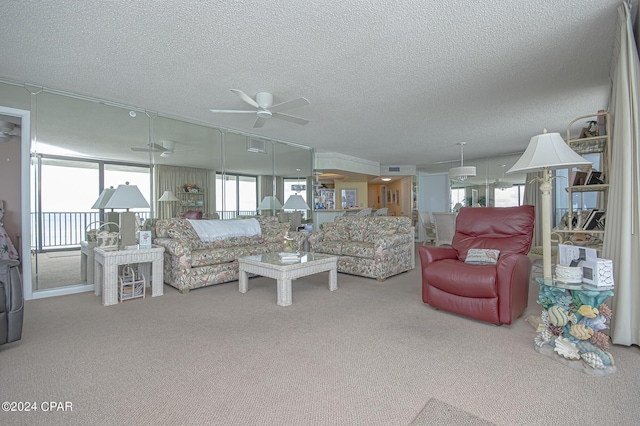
(191, 263)
(370, 246)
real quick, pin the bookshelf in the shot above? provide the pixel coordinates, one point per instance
(586, 227)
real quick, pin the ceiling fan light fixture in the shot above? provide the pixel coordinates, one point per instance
(263, 113)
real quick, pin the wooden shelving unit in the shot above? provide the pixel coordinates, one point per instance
(601, 145)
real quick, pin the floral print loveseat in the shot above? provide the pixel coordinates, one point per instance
(191, 263)
(371, 246)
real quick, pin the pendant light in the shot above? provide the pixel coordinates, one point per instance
(461, 173)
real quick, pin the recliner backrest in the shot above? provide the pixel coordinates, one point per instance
(508, 229)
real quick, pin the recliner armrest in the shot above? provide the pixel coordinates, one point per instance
(433, 254)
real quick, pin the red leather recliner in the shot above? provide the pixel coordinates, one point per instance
(497, 293)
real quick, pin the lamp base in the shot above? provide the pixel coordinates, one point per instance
(127, 229)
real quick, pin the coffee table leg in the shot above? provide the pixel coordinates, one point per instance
(244, 281)
(284, 291)
(333, 279)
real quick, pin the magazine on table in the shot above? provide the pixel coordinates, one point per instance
(570, 255)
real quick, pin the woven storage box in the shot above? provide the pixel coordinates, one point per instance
(91, 234)
(132, 284)
(106, 240)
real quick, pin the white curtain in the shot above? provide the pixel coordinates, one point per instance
(622, 239)
(533, 196)
(172, 178)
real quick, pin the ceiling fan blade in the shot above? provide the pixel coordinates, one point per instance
(290, 118)
(259, 122)
(294, 103)
(153, 147)
(232, 110)
(248, 99)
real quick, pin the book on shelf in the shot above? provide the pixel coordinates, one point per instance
(595, 220)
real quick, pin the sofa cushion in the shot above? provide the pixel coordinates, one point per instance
(358, 228)
(330, 247)
(181, 228)
(357, 249)
(335, 231)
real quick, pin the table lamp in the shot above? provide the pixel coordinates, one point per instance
(546, 152)
(101, 203)
(169, 197)
(270, 203)
(127, 197)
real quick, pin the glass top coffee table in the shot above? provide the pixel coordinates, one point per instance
(280, 268)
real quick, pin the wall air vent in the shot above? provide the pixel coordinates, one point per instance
(256, 145)
(397, 170)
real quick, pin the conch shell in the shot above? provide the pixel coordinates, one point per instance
(580, 331)
(566, 348)
(588, 311)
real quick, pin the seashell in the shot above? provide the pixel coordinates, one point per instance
(545, 318)
(580, 331)
(592, 359)
(543, 337)
(566, 348)
(585, 346)
(598, 323)
(558, 316)
(588, 311)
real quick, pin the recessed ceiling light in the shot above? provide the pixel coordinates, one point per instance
(386, 179)
(132, 113)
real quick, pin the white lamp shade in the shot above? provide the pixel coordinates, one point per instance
(105, 196)
(270, 203)
(461, 173)
(168, 196)
(548, 150)
(127, 197)
(296, 202)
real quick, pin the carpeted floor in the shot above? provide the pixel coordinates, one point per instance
(369, 353)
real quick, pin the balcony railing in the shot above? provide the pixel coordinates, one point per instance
(65, 230)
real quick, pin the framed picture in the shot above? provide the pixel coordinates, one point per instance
(349, 198)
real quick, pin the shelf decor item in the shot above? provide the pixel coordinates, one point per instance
(132, 284)
(105, 239)
(546, 152)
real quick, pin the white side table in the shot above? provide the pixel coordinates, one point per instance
(86, 262)
(106, 270)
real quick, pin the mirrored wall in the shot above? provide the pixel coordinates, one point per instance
(79, 146)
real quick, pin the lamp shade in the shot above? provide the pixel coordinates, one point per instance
(127, 197)
(550, 151)
(461, 173)
(104, 196)
(270, 203)
(168, 196)
(296, 202)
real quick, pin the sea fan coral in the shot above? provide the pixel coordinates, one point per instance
(600, 340)
(605, 311)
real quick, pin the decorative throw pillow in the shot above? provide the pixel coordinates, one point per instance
(482, 256)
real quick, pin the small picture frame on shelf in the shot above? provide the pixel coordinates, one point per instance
(144, 239)
(595, 178)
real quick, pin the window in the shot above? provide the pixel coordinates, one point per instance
(509, 197)
(236, 195)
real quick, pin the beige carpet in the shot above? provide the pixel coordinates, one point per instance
(369, 353)
(436, 412)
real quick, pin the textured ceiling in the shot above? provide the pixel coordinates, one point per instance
(388, 81)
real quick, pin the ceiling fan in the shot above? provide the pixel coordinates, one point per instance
(8, 130)
(264, 108)
(167, 149)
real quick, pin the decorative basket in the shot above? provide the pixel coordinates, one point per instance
(132, 284)
(91, 234)
(108, 240)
